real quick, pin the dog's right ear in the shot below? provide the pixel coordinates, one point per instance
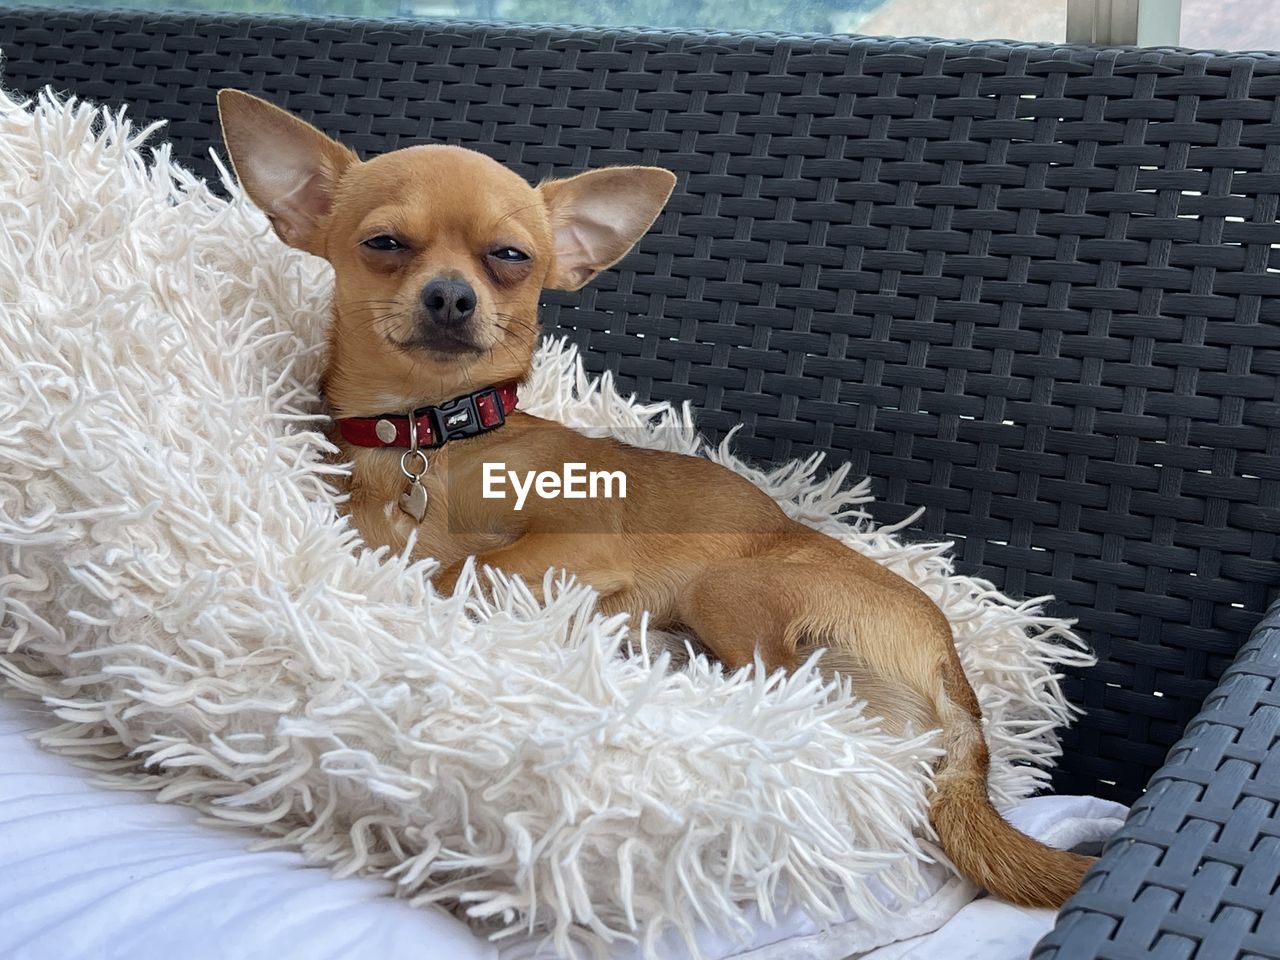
(288, 167)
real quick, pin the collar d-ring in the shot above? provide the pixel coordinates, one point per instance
(413, 449)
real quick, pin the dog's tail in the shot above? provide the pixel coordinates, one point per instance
(898, 650)
(921, 686)
(981, 843)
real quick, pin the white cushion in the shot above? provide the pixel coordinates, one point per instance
(90, 872)
(94, 872)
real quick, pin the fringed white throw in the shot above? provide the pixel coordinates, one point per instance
(175, 580)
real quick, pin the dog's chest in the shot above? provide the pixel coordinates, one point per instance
(449, 531)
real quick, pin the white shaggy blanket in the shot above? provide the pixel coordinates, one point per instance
(175, 579)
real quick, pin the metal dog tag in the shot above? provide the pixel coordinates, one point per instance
(414, 500)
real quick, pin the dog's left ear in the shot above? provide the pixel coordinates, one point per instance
(597, 217)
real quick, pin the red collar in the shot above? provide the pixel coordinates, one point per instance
(463, 416)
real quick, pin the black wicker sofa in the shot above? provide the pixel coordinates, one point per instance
(1033, 289)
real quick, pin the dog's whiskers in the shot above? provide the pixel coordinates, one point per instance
(506, 346)
(374, 321)
(369, 303)
(524, 324)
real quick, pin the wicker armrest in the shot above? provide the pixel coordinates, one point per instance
(1195, 872)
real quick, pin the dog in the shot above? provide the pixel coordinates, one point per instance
(440, 255)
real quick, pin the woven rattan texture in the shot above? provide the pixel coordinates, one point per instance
(1195, 872)
(1033, 290)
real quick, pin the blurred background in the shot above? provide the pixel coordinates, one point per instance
(1205, 24)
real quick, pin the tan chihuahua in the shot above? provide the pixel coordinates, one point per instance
(440, 255)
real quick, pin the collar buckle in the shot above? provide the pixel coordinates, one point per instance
(456, 418)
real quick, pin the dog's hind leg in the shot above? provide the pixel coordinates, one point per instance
(785, 603)
(897, 646)
(741, 607)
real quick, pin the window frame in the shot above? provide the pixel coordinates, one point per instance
(1146, 23)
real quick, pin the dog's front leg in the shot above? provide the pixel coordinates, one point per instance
(589, 557)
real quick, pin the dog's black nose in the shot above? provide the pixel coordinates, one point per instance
(449, 302)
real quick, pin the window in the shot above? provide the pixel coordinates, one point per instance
(1231, 24)
(1204, 24)
(1020, 19)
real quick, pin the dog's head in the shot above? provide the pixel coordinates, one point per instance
(439, 253)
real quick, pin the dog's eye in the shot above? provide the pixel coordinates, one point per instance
(509, 255)
(384, 242)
